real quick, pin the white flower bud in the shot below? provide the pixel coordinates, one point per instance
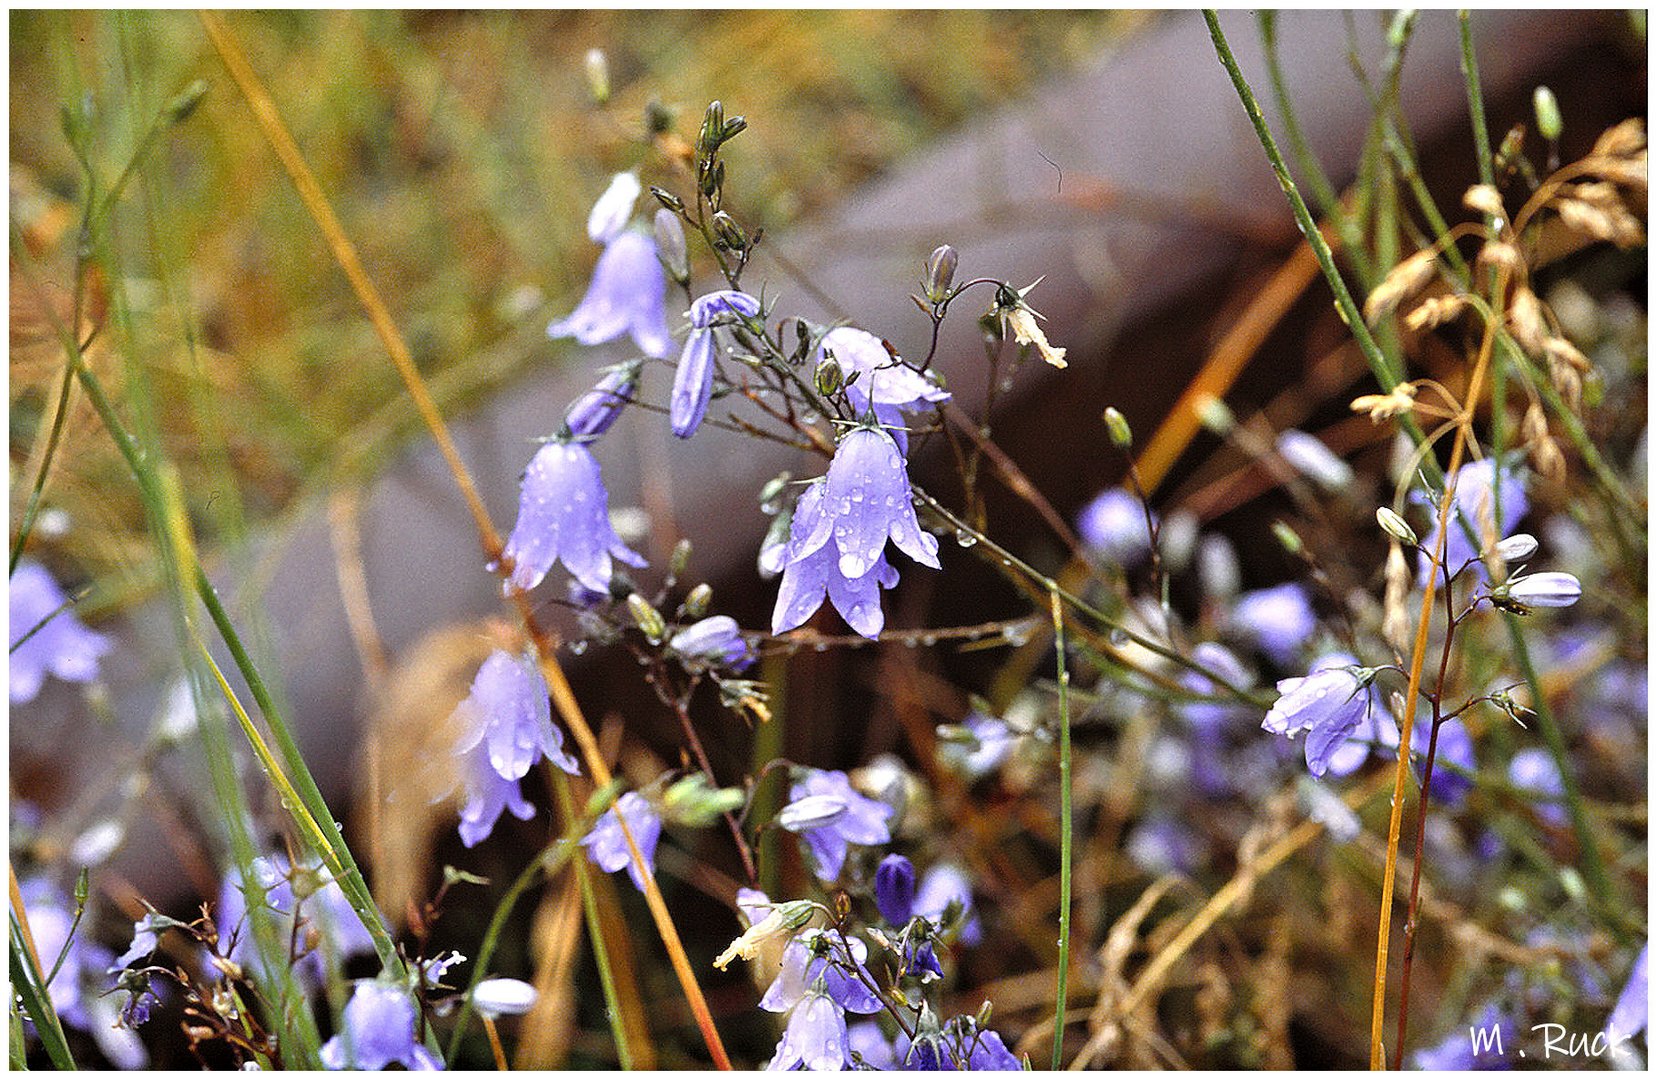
(1553, 589)
(503, 997)
(1309, 455)
(613, 208)
(1517, 548)
(1395, 526)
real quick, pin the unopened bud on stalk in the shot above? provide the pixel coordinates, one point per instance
(1288, 538)
(735, 126)
(984, 1012)
(680, 558)
(1215, 415)
(828, 376)
(694, 802)
(940, 272)
(696, 604)
(727, 231)
(646, 618)
(713, 124)
(668, 200)
(1395, 526)
(1548, 120)
(182, 106)
(1121, 435)
(713, 179)
(670, 245)
(598, 75)
(1517, 548)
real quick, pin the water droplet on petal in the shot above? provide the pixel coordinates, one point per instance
(965, 538)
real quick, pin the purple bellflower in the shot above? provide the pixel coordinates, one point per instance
(77, 991)
(487, 793)
(821, 954)
(63, 646)
(994, 741)
(1278, 620)
(508, 715)
(1630, 1014)
(1533, 771)
(839, 532)
(714, 641)
(808, 579)
(613, 208)
(628, 295)
(379, 1031)
(564, 515)
(594, 412)
(1475, 504)
(607, 846)
(1327, 705)
(693, 382)
(878, 382)
(1113, 527)
(839, 817)
(960, 1044)
(815, 1037)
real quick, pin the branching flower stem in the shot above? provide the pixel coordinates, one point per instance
(281, 141)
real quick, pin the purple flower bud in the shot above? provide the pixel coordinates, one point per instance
(62, 646)
(895, 889)
(628, 295)
(1552, 589)
(715, 640)
(1113, 526)
(564, 515)
(379, 1030)
(594, 412)
(1279, 620)
(692, 383)
(725, 303)
(607, 846)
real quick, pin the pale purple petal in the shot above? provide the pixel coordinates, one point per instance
(563, 515)
(628, 295)
(692, 384)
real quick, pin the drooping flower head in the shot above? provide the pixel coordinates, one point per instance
(815, 1037)
(835, 817)
(1327, 705)
(1278, 620)
(808, 579)
(486, 794)
(628, 295)
(693, 382)
(822, 954)
(508, 715)
(564, 516)
(606, 844)
(60, 644)
(865, 502)
(895, 889)
(613, 208)
(379, 1031)
(877, 382)
(1113, 526)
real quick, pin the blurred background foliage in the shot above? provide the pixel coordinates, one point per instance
(461, 151)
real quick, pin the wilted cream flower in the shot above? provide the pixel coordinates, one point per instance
(1400, 399)
(1021, 319)
(783, 920)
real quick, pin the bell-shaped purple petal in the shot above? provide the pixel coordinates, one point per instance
(607, 846)
(564, 516)
(509, 713)
(1278, 620)
(944, 885)
(487, 793)
(815, 1037)
(864, 820)
(882, 379)
(692, 384)
(379, 1031)
(60, 644)
(709, 308)
(822, 954)
(628, 295)
(866, 501)
(1327, 705)
(594, 412)
(810, 575)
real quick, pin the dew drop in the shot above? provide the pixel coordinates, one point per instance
(1119, 637)
(821, 646)
(929, 640)
(578, 647)
(965, 538)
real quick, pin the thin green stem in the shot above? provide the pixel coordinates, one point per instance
(30, 988)
(1475, 99)
(32, 510)
(1066, 827)
(595, 930)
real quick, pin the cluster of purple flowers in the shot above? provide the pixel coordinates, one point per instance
(506, 727)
